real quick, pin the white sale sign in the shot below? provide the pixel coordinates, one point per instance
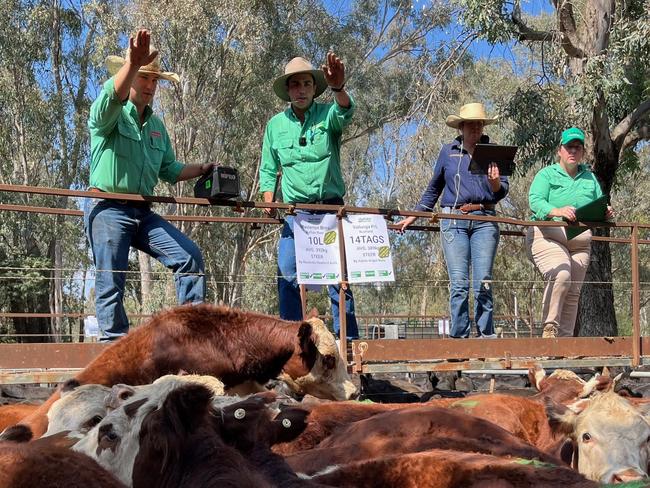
(367, 249)
(317, 249)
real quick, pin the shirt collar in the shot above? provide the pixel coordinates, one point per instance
(458, 140)
(133, 111)
(290, 113)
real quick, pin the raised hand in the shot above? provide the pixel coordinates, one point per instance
(334, 71)
(139, 54)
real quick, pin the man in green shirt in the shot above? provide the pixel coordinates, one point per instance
(304, 143)
(130, 150)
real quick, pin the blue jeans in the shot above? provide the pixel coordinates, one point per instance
(289, 291)
(465, 243)
(112, 228)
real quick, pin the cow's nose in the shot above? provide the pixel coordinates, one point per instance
(627, 475)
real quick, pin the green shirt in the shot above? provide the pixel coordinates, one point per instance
(310, 172)
(553, 188)
(124, 157)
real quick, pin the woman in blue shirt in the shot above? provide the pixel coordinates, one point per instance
(466, 242)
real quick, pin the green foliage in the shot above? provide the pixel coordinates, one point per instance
(490, 18)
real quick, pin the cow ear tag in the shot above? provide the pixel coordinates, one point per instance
(240, 413)
(286, 423)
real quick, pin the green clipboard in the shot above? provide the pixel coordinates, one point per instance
(592, 212)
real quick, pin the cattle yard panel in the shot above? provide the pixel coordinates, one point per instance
(39, 361)
(419, 355)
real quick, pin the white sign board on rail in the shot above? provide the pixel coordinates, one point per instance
(367, 249)
(317, 249)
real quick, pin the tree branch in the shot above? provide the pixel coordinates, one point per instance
(526, 33)
(570, 41)
(641, 133)
(620, 132)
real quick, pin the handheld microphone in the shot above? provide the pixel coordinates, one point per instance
(302, 141)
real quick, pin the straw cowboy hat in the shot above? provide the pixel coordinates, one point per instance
(114, 63)
(471, 111)
(293, 67)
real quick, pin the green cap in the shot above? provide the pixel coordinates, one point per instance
(572, 134)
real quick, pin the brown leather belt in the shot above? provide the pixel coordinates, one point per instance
(473, 207)
(132, 203)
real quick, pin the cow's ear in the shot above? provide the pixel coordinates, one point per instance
(69, 386)
(561, 419)
(288, 424)
(130, 409)
(305, 336)
(535, 375)
(186, 407)
(313, 313)
(17, 433)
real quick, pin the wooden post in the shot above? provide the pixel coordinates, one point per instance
(636, 299)
(343, 331)
(303, 300)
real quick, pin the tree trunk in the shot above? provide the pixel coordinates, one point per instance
(596, 313)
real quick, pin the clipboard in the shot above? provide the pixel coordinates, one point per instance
(593, 211)
(484, 154)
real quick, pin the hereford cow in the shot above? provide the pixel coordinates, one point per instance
(612, 436)
(45, 464)
(564, 386)
(413, 429)
(450, 469)
(79, 409)
(233, 345)
(174, 433)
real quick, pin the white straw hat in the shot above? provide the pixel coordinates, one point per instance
(114, 63)
(294, 67)
(471, 111)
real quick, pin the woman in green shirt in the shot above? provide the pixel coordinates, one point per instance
(555, 193)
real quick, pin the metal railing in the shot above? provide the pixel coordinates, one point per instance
(374, 355)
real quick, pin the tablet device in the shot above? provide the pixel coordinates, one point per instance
(593, 211)
(484, 154)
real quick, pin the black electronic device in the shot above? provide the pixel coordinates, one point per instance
(484, 154)
(220, 183)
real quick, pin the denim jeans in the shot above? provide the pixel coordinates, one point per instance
(289, 291)
(468, 243)
(112, 228)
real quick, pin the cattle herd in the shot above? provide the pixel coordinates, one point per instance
(181, 402)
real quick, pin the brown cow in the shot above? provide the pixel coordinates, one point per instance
(45, 464)
(451, 469)
(413, 430)
(233, 345)
(12, 414)
(564, 386)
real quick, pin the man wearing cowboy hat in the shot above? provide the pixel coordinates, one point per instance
(466, 243)
(304, 143)
(130, 150)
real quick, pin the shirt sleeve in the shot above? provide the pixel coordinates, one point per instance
(436, 185)
(269, 164)
(538, 196)
(170, 169)
(106, 109)
(339, 117)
